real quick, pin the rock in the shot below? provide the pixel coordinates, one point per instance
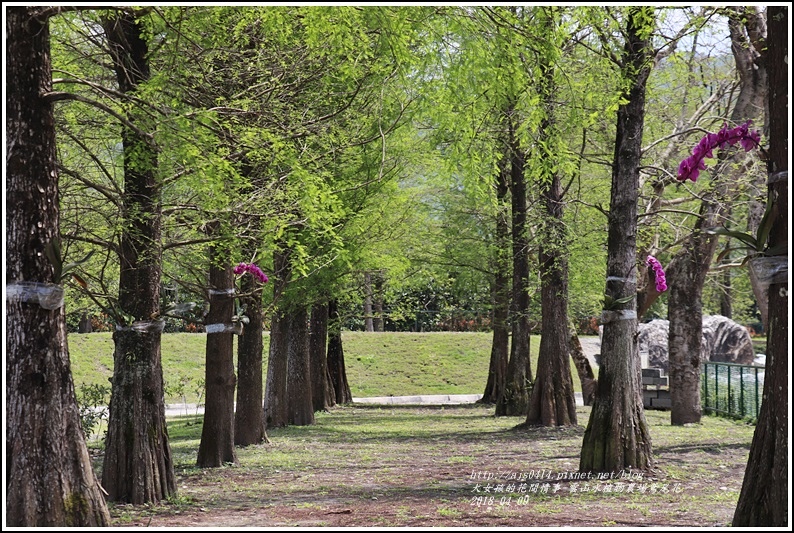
(723, 341)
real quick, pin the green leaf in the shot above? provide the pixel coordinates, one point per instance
(53, 251)
(746, 238)
(71, 266)
(764, 228)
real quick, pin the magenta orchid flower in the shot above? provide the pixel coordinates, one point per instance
(253, 269)
(690, 168)
(658, 273)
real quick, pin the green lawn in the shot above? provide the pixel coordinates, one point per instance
(378, 364)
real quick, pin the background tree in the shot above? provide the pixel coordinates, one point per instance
(687, 271)
(137, 465)
(763, 500)
(617, 435)
(49, 479)
(216, 447)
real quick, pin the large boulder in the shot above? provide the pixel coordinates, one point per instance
(723, 341)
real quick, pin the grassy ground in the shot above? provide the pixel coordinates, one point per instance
(448, 466)
(377, 364)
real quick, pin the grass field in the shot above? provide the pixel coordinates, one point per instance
(377, 364)
(448, 466)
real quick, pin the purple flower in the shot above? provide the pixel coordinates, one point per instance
(658, 273)
(691, 166)
(257, 272)
(253, 269)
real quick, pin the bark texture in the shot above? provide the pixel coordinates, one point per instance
(249, 414)
(137, 466)
(552, 402)
(500, 292)
(688, 269)
(216, 447)
(514, 401)
(763, 501)
(49, 479)
(336, 356)
(276, 386)
(318, 345)
(617, 436)
(300, 409)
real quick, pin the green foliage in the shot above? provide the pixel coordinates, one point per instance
(92, 401)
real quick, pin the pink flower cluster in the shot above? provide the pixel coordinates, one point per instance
(658, 273)
(253, 269)
(691, 166)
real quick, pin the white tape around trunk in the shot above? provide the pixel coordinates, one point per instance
(142, 326)
(221, 292)
(236, 328)
(621, 314)
(48, 295)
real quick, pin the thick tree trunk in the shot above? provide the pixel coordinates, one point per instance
(617, 435)
(300, 410)
(763, 501)
(688, 269)
(552, 402)
(500, 346)
(276, 386)
(49, 479)
(249, 414)
(217, 433)
(336, 356)
(318, 344)
(514, 401)
(137, 466)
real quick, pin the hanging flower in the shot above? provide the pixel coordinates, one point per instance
(690, 168)
(658, 273)
(253, 269)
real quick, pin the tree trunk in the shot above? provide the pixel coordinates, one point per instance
(217, 433)
(726, 302)
(276, 386)
(617, 435)
(49, 479)
(377, 302)
(552, 402)
(336, 356)
(583, 368)
(514, 400)
(249, 414)
(368, 325)
(500, 346)
(318, 344)
(688, 269)
(763, 501)
(137, 466)
(300, 409)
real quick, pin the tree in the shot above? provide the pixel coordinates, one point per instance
(763, 501)
(216, 447)
(137, 466)
(336, 356)
(617, 435)
(687, 271)
(322, 396)
(249, 416)
(49, 479)
(552, 401)
(500, 292)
